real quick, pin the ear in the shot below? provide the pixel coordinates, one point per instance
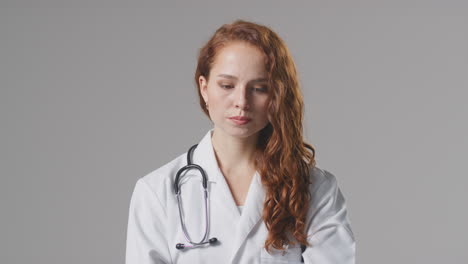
(203, 83)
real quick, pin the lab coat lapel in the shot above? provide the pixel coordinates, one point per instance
(222, 204)
(232, 229)
(251, 214)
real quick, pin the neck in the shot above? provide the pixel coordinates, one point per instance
(234, 153)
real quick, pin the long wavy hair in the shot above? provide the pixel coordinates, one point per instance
(283, 160)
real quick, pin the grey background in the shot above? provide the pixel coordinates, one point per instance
(96, 94)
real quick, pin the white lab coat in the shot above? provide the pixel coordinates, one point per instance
(154, 226)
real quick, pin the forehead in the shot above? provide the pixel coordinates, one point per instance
(240, 59)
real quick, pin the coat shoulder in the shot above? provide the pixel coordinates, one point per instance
(161, 179)
(320, 176)
(323, 183)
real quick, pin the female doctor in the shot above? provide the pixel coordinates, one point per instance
(252, 193)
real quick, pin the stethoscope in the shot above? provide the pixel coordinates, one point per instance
(205, 239)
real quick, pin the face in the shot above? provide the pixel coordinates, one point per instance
(237, 87)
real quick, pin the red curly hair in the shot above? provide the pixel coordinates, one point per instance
(283, 159)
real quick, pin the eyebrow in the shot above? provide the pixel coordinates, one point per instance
(235, 78)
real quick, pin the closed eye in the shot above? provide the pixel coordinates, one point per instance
(255, 89)
(260, 89)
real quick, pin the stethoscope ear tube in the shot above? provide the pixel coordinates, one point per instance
(189, 167)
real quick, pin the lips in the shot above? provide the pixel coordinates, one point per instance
(240, 118)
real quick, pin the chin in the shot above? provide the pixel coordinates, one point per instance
(239, 132)
(243, 132)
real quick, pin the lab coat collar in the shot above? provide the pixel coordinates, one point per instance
(204, 156)
(221, 196)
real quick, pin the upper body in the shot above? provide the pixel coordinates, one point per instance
(154, 226)
(255, 156)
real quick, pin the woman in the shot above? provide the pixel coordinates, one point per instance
(267, 201)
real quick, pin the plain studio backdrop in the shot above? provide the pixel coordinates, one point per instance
(95, 95)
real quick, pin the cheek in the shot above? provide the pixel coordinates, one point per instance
(216, 105)
(263, 106)
(219, 99)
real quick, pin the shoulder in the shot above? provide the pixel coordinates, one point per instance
(322, 180)
(166, 172)
(326, 197)
(159, 182)
(324, 190)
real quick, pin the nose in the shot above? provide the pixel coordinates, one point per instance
(242, 100)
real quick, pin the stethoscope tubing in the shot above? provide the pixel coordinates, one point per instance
(184, 228)
(178, 192)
